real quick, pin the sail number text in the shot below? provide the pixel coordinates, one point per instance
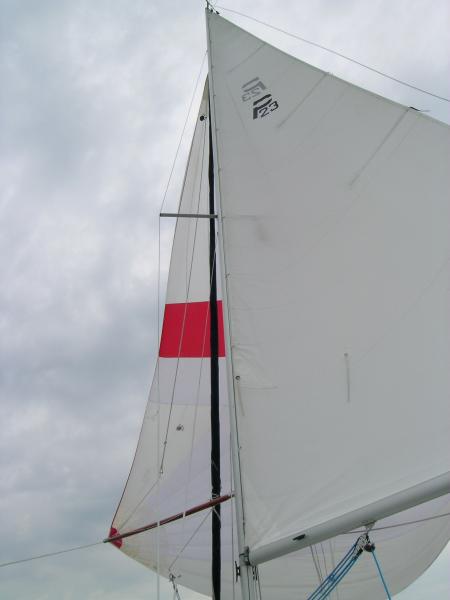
(262, 106)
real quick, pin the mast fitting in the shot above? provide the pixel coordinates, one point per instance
(245, 556)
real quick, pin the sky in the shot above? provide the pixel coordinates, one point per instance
(93, 100)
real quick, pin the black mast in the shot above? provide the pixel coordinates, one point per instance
(215, 420)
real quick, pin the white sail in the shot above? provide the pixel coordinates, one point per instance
(175, 437)
(336, 226)
(335, 218)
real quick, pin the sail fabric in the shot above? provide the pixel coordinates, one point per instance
(403, 553)
(171, 469)
(336, 219)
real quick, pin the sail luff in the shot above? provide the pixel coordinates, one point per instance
(247, 589)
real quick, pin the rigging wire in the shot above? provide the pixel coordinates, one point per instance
(189, 540)
(233, 557)
(48, 554)
(333, 564)
(447, 514)
(341, 570)
(316, 565)
(324, 558)
(189, 268)
(197, 395)
(158, 420)
(344, 56)
(199, 381)
(185, 311)
(84, 546)
(133, 512)
(330, 583)
(161, 460)
(176, 593)
(182, 133)
(159, 274)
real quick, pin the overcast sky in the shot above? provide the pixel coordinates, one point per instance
(93, 97)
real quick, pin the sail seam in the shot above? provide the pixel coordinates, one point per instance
(303, 100)
(375, 152)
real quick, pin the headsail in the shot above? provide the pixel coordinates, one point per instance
(171, 472)
(336, 230)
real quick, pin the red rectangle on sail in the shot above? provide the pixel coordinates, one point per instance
(186, 330)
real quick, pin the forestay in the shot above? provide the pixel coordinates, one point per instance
(336, 221)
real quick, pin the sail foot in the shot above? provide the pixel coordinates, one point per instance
(418, 494)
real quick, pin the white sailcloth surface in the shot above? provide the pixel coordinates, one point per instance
(336, 220)
(175, 437)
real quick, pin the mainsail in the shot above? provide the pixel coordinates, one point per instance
(335, 220)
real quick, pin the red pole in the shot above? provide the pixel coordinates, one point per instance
(181, 515)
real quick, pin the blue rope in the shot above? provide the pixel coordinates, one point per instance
(381, 574)
(344, 566)
(340, 571)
